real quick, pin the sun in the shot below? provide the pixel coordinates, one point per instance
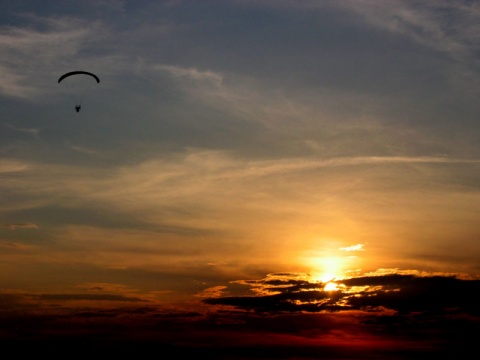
(331, 263)
(326, 269)
(330, 286)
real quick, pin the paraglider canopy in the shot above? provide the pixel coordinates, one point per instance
(77, 73)
(79, 88)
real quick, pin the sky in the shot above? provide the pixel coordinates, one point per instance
(272, 179)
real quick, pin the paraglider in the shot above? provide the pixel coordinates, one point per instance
(78, 105)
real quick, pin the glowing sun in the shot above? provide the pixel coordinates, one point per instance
(327, 269)
(330, 286)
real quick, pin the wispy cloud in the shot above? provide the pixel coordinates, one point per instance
(53, 42)
(190, 73)
(358, 247)
(12, 165)
(19, 226)
(14, 246)
(450, 27)
(83, 150)
(31, 131)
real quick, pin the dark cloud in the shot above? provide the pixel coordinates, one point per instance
(403, 294)
(391, 316)
(95, 297)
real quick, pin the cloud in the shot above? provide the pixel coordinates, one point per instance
(212, 292)
(191, 73)
(83, 149)
(189, 194)
(89, 297)
(19, 226)
(54, 42)
(31, 131)
(12, 165)
(403, 294)
(358, 247)
(450, 27)
(15, 246)
(388, 316)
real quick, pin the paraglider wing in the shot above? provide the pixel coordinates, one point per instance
(78, 86)
(76, 73)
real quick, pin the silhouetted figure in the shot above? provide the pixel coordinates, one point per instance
(78, 107)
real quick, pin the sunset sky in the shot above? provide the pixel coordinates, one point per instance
(235, 157)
